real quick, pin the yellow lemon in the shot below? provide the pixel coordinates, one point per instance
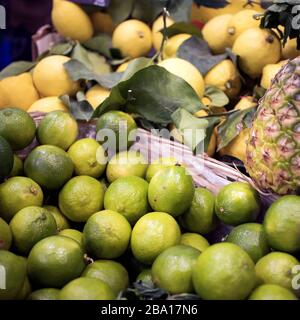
(102, 22)
(173, 45)
(269, 73)
(96, 95)
(123, 67)
(289, 51)
(158, 25)
(48, 104)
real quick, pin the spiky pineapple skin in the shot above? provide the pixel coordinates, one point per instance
(273, 149)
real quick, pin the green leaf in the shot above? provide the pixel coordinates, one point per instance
(81, 110)
(146, 10)
(62, 48)
(135, 66)
(120, 10)
(217, 96)
(80, 54)
(16, 68)
(154, 93)
(98, 63)
(181, 27)
(180, 10)
(101, 43)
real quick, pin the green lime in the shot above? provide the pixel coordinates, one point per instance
(272, 292)
(252, 238)
(200, 217)
(171, 190)
(73, 234)
(125, 164)
(5, 235)
(106, 234)
(57, 128)
(55, 261)
(152, 234)
(237, 203)
(122, 126)
(86, 289)
(224, 271)
(13, 268)
(172, 269)
(61, 221)
(49, 166)
(282, 224)
(88, 157)
(110, 272)
(80, 198)
(44, 294)
(159, 164)
(18, 193)
(25, 290)
(194, 240)
(17, 169)
(146, 277)
(7, 158)
(128, 196)
(17, 127)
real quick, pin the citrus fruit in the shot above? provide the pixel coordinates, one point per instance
(126, 163)
(276, 268)
(250, 237)
(122, 67)
(25, 290)
(88, 157)
(86, 289)
(55, 261)
(81, 197)
(47, 104)
(14, 268)
(171, 190)
(146, 277)
(61, 221)
(159, 164)
(290, 51)
(200, 217)
(237, 203)
(173, 44)
(194, 240)
(152, 234)
(51, 79)
(224, 271)
(96, 95)
(73, 234)
(106, 234)
(133, 38)
(18, 91)
(269, 72)
(5, 235)
(219, 43)
(282, 224)
(272, 292)
(17, 169)
(57, 128)
(17, 193)
(71, 21)
(172, 269)
(49, 166)
(29, 226)
(110, 272)
(121, 125)
(44, 294)
(17, 127)
(185, 70)
(157, 26)
(102, 22)
(7, 158)
(256, 48)
(128, 196)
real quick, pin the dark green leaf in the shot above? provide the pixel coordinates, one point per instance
(180, 10)
(101, 43)
(135, 66)
(217, 96)
(181, 27)
(120, 10)
(216, 4)
(147, 10)
(16, 68)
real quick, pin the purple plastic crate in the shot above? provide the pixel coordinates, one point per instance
(100, 3)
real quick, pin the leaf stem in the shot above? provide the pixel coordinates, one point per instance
(159, 54)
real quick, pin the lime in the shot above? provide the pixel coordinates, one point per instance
(250, 237)
(7, 158)
(146, 277)
(110, 272)
(88, 157)
(61, 221)
(17, 169)
(25, 290)
(18, 193)
(5, 235)
(282, 224)
(224, 271)
(152, 234)
(200, 217)
(125, 164)
(171, 190)
(58, 128)
(128, 196)
(80, 198)
(73, 234)
(44, 294)
(194, 240)
(159, 164)
(121, 125)
(272, 292)
(17, 127)
(106, 234)
(55, 261)
(86, 289)
(49, 166)
(172, 269)
(237, 203)
(277, 268)
(14, 268)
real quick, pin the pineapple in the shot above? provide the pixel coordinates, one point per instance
(273, 150)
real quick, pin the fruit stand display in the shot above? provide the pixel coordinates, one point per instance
(152, 151)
